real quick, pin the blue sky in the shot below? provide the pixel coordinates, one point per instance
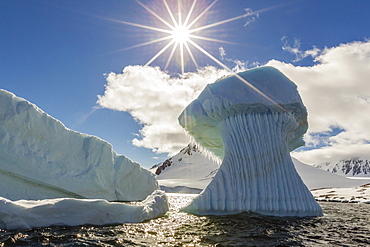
(58, 54)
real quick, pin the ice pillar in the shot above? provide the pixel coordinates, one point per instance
(257, 173)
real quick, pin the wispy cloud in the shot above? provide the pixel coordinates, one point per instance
(251, 17)
(236, 65)
(296, 50)
(222, 52)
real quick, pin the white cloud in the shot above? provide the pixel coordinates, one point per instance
(296, 50)
(336, 92)
(250, 16)
(236, 65)
(222, 52)
(156, 100)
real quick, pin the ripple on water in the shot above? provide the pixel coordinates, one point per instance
(342, 225)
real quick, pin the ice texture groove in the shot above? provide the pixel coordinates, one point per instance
(254, 138)
(40, 158)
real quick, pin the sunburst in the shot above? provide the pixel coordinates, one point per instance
(181, 32)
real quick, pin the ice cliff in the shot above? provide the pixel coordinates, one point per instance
(252, 121)
(40, 158)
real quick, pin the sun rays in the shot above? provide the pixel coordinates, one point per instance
(181, 32)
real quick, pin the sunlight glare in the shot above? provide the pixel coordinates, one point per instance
(181, 34)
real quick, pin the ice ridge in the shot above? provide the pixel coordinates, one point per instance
(41, 158)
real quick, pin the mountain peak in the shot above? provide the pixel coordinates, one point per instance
(186, 151)
(352, 167)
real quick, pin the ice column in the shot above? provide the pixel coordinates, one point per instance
(251, 121)
(257, 173)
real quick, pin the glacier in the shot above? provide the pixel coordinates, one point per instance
(42, 159)
(251, 120)
(25, 214)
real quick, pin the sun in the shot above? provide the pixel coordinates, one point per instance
(181, 34)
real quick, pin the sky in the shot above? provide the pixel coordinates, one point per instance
(93, 65)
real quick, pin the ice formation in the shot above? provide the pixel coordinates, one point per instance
(251, 121)
(40, 158)
(25, 214)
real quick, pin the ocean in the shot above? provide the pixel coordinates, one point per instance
(343, 224)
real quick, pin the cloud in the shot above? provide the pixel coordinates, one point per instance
(296, 50)
(250, 16)
(222, 52)
(336, 92)
(155, 100)
(236, 65)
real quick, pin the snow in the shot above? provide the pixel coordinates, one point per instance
(315, 178)
(25, 214)
(360, 194)
(40, 158)
(189, 171)
(253, 134)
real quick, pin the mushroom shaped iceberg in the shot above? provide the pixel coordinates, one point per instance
(251, 120)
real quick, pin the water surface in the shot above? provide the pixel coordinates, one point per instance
(344, 224)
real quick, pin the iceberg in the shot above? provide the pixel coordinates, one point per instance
(251, 120)
(41, 159)
(25, 214)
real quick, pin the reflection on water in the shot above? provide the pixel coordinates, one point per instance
(342, 225)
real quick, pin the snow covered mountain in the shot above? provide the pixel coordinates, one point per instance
(40, 158)
(190, 171)
(354, 167)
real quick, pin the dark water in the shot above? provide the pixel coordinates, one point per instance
(343, 225)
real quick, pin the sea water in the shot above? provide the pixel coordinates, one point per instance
(343, 224)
